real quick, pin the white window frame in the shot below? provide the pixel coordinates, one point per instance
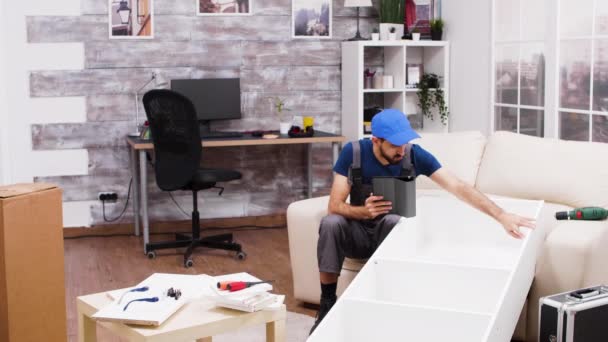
(593, 38)
(520, 42)
(552, 69)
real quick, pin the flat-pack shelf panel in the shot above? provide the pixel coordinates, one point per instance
(363, 321)
(415, 283)
(450, 273)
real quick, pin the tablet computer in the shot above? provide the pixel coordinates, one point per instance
(401, 191)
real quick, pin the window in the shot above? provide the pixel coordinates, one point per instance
(583, 70)
(576, 38)
(519, 66)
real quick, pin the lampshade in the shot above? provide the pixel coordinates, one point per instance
(357, 3)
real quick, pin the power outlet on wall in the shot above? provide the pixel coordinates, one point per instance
(107, 196)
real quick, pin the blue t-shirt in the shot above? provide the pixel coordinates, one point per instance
(424, 162)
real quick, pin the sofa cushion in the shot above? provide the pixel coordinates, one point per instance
(459, 152)
(303, 220)
(567, 172)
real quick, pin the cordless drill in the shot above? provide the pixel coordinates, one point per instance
(587, 213)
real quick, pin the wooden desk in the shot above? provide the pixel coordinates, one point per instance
(198, 320)
(139, 165)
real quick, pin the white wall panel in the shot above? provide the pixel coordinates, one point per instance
(60, 163)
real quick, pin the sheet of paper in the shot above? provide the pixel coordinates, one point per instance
(153, 313)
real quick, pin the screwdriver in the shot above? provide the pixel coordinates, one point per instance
(233, 286)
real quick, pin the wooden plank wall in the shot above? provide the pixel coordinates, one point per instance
(256, 48)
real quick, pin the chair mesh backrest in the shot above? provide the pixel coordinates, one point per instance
(176, 137)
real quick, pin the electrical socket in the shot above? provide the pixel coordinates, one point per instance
(107, 196)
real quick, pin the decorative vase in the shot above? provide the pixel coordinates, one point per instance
(369, 82)
(378, 80)
(436, 35)
(416, 36)
(284, 127)
(387, 82)
(375, 36)
(392, 36)
(385, 30)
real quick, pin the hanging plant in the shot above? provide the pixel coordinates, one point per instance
(428, 99)
(440, 103)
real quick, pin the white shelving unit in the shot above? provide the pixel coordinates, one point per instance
(451, 277)
(396, 55)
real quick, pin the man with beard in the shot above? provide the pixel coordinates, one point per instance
(356, 230)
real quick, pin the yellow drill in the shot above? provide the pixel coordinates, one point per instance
(587, 213)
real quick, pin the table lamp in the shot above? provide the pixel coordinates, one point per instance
(357, 3)
(157, 84)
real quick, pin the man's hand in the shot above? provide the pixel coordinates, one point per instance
(511, 223)
(375, 206)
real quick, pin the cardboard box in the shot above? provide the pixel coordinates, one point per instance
(32, 282)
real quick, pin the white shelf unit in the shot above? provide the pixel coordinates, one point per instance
(434, 56)
(451, 277)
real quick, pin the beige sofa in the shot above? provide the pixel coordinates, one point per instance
(564, 174)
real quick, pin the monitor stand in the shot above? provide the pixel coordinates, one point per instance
(204, 127)
(207, 133)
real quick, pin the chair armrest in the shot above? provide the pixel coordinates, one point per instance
(571, 258)
(303, 220)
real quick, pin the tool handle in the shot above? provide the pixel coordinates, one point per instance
(237, 286)
(223, 285)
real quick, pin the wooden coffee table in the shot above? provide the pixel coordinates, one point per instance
(198, 320)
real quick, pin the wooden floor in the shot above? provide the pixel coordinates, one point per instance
(104, 263)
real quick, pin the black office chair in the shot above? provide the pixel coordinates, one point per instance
(177, 154)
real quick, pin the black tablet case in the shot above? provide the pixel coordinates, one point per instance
(401, 191)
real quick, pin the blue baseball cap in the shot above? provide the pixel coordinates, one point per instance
(393, 125)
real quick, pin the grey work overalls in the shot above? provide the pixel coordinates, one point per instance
(340, 237)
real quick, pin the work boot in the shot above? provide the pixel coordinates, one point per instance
(326, 305)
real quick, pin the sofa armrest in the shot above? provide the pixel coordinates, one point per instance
(571, 258)
(303, 220)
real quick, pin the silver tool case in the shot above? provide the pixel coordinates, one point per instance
(575, 316)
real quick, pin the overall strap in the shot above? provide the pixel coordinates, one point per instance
(354, 171)
(358, 191)
(356, 154)
(407, 168)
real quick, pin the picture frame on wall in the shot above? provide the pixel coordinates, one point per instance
(418, 16)
(223, 7)
(131, 19)
(311, 19)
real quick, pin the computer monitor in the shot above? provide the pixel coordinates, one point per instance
(213, 98)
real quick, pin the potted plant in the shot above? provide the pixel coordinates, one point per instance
(430, 95)
(375, 34)
(415, 34)
(436, 29)
(279, 105)
(392, 35)
(391, 15)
